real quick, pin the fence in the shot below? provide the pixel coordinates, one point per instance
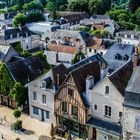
(7, 101)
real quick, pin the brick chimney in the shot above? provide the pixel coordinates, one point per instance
(136, 57)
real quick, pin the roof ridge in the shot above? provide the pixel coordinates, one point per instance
(120, 68)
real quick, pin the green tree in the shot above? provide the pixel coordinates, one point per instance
(123, 17)
(19, 93)
(6, 80)
(78, 57)
(16, 113)
(137, 13)
(33, 6)
(19, 20)
(78, 5)
(133, 5)
(93, 6)
(34, 16)
(14, 8)
(50, 6)
(54, 15)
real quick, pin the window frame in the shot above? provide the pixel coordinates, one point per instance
(107, 90)
(47, 115)
(107, 111)
(44, 99)
(64, 106)
(34, 110)
(34, 93)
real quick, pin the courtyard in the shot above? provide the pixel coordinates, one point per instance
(34, 128)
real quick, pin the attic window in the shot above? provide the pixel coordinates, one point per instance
(43, 84)
(70, 92)
(118, 57)
(107, 90)
(126, 57)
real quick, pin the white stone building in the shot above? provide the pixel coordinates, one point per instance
(131, 123)
(106, 104)
(41, 94)
(128, 37)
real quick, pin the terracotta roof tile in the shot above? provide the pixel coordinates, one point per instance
(62, 48)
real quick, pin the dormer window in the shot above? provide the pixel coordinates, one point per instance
(107, 90)
(43, 84)
(126, 57)
(46, 82)
(118, 57)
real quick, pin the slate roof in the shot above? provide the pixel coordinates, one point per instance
(60, 70)
(6, 34)
(61, 34)
(129, 33)
(73, 17)
(62, 48)
(80, 74)
(41, 27)
(26, 70)
(104, 125)
(3, 51)
(96, 57)
(9, 15)
(100, 17)
(121, 76)
(118, 48)
(132, 93)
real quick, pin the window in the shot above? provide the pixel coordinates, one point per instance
(90, 49)
(35, 110)
(95, 51)
(95, 107)
(70, 92)
(126, 57)
(101, 53)
(107, 90)
(34, 96)
(120, 114)
(43, 85)
(75, 110)
(107, 111)
(64, 106)
(44, 99)
(137, 123)
(47, 114)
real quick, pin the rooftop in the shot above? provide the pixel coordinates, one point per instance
(132, 94)
(62, 48)
(26, 70)
(104, 125)
(121, 76)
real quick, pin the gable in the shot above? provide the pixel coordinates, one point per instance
(100, 88)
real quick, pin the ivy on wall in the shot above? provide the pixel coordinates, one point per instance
(6, 81)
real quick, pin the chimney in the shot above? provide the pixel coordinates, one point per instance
(89, 86)
(58, 79)
(136, 57)
(89, 83)
(103, 71)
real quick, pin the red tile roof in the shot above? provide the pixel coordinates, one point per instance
(62, 48)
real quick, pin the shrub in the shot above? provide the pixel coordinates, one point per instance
(16, 113)
(18, 125)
